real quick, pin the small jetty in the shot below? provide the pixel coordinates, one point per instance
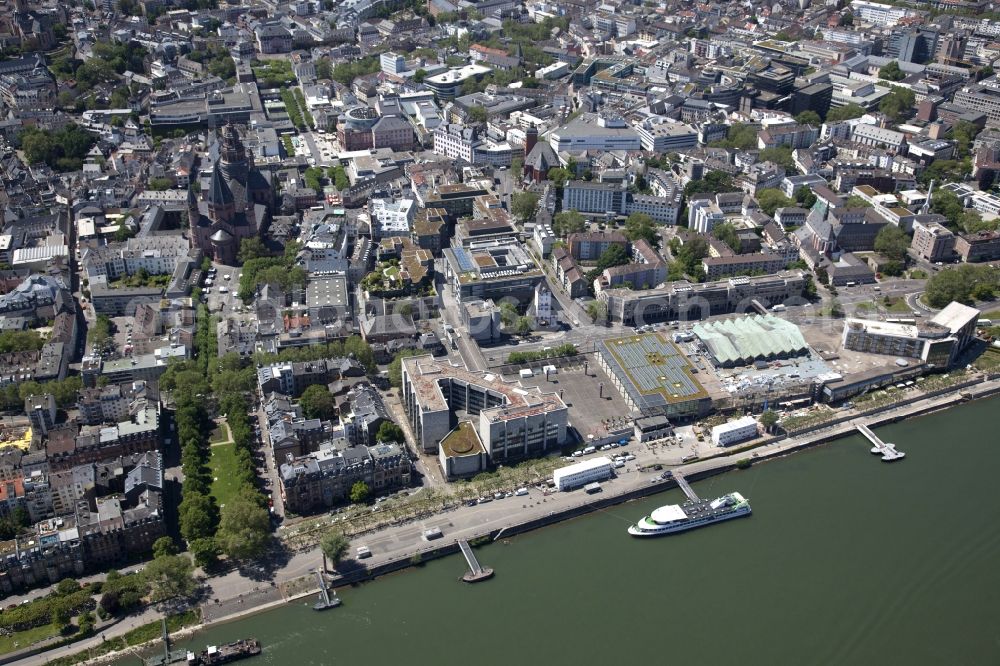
(326, 601)
(685, 486)
(476, 572)
(211, 656)
(169, 656)
(224, 654)
(888, 451)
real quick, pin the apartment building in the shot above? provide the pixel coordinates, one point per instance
(933, 241)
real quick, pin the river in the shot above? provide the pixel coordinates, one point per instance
(845, 560)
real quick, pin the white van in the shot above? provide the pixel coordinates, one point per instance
(364, 552)
(590, 449)
(521, 492)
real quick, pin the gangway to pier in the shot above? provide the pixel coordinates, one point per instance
(685, 486)
(325, 600)
(476, 572)
(887, 450)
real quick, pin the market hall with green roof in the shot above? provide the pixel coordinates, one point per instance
(654, 376)
(743, 340)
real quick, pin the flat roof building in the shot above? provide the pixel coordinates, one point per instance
(513, 422)
(653, 376)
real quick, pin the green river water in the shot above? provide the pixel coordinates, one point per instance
(845, 560)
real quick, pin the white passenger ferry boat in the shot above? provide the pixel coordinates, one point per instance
(679, 517)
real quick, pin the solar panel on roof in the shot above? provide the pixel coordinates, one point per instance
(465, 262)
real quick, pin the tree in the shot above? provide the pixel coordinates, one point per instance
(508, 313)
(396, 366)
(822, 276)
(964, 284)
(559, 176)
(808, 117)
(198, 515)
(334, 546)
(779, 155)
(891, 71)
(317, 403)
(768, 419)
(251, 248)
(805, 197)
(523, 326)
(163, 547)
(713, 183)
(360, 492)
(205, 551)
(477, 114)
(420, 75)
(245, 528)
(598, 311)
(740, 136)
(390, 432)
(846, 112)
(641, 225)
(67, 586)
(964, 133)
(898, 104)
(523, 205)
(568, 222)
(892, 242)
(771, 200)
(170, 576)
(727, 233)
(339, 176)
(160, 184)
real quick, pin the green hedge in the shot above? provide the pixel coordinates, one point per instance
(41, 611)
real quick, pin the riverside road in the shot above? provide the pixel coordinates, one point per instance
(401, 542)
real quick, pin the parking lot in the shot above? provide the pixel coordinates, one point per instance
(589, 412)
(220, 290)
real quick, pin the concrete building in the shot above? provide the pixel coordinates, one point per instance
(590, 131)
(513, 422)
(979, 246)
(580, 474)
(461, 452)
(933, 241)
(447, 84)
(685, 301)
(653, 376)
(665, 137)
(482, 320)
(742, 264)
(590, 245)
(735, 432)
(492, 272)
(936, 342)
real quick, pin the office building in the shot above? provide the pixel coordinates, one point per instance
(513, 422)
(735, 432)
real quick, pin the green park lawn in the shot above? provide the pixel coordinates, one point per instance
(22, 639)
(223, 466)
(897, 306)
(219, 434)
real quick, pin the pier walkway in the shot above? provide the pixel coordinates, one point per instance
(886, 449)
(476, 572)
(685, 486)
(325, 600)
